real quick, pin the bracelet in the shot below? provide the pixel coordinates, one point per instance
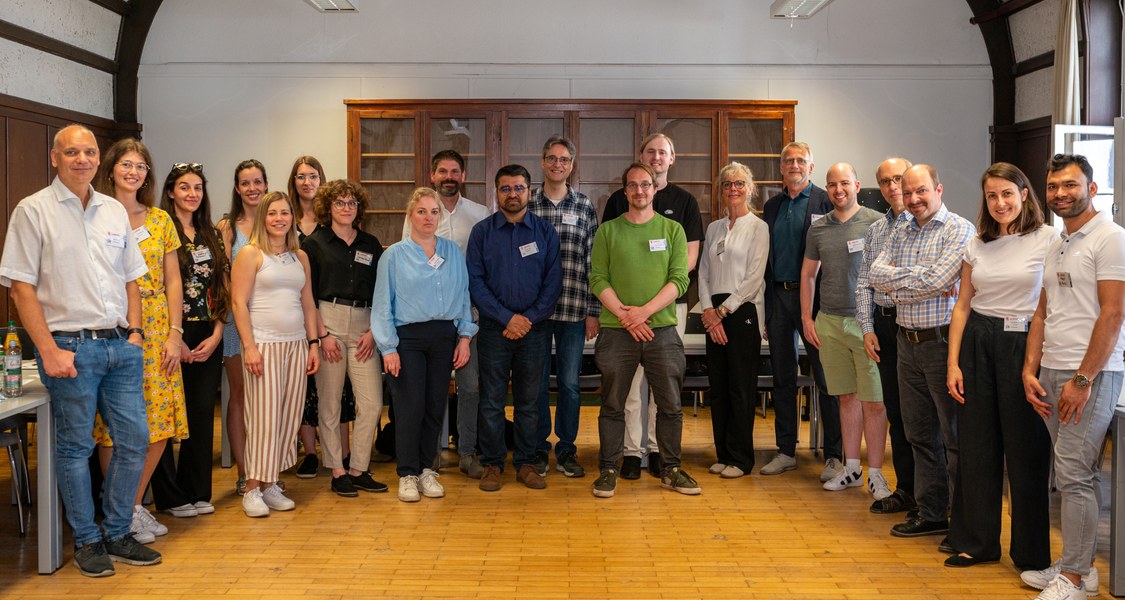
(322, 337)
(314, 342)
(176, 328)
(136, 330)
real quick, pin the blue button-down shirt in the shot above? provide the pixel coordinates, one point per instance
(787, 233)
(514, 268)
(409, 289)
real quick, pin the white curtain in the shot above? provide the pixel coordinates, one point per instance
(1068, 92)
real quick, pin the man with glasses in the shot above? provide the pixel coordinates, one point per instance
(675, 203)
(72, 263)
(576, 312)
(514, 279)
(458, 216)
(639, 268)
(789, 215)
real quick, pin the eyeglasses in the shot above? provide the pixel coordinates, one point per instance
(128, 165)
(562, 160)
(341, 204)
(889, 180)
(508, 189)
(738, 185)
(181, 168)
(633, 185)
(303, 178)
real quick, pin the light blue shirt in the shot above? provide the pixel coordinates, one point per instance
(410, 289)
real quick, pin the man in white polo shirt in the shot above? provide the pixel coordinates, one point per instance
(1073, 369)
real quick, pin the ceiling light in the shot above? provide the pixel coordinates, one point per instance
(796, 9)
(332, 5)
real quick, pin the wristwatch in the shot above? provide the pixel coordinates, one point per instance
(136, 330)
(1081, 381)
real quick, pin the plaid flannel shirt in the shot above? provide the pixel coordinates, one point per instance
(877, 236)
(576, 222)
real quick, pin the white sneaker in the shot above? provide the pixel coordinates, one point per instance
(183, 511)
(253, 504)
(1041, 579)
(276, 500)
(408, 488)
(203, 507)
(716, 468)
(877, 485)
(140, 531)
(833, 468)
(1061, 588)
(732, 472)
(430, 486)
(846, 479)
(780, 464)
(149, 521)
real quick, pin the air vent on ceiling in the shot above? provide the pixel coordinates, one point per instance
(796, 9)
(333, 6)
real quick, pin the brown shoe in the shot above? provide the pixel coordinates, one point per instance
(527, 476)
(490, 481)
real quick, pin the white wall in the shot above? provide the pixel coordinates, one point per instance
(221, 80)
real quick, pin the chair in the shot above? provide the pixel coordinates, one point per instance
(21, 485)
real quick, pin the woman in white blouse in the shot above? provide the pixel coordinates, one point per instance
(1001, 278)
(731, 291)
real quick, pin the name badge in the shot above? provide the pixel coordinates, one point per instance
(720, 247)
(364, 258)
(570, 219)
(435, 261)
(855, 245)
(287, 258)
(1015, 324)
(141, 234)
(116, 240)
(660, 245)
(528, 249)
(816, 218)
(1064, 279)
(201, 255)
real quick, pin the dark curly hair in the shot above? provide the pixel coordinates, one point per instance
(334, 190)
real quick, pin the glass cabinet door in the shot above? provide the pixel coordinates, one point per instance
(387, 172)
(757, 144)
(605, 148)
(525, 143)
(693, 168)
(468, 136)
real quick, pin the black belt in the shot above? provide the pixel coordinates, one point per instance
(789, 285)
(886, 311)
(94, 334)
(346, 302)
(917, 336)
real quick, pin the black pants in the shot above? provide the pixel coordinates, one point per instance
(425, 353)
(783, 324)
(902, 454)
(996, 424)
(733, 375)
(189, 481)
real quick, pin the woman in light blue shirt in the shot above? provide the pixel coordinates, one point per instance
(422, 322)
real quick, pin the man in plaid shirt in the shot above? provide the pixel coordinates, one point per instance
(917, 270)
(576, 313)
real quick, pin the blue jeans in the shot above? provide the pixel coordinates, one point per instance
(521, 361)
(570, 337)
(109, 382)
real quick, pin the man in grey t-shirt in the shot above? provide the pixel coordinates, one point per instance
(836, 241)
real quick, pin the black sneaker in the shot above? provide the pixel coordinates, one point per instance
(631, 467)
(654, 467)
(568, 465)
(342, 485)
(365, 483)
(606, 484)
(918, 527)
(542, 463)
(308, 467)
(130, 552)
(92, 560)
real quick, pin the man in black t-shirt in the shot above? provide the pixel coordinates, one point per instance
(676, 203)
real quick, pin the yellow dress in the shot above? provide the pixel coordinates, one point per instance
(164, 396)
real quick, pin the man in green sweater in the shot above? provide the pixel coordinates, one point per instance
(639, 268)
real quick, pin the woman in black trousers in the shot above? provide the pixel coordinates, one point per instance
(731, 289)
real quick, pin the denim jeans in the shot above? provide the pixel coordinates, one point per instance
(109, 382)
(570, 337)
(468, 402)
(1078, 449)
(521, 361)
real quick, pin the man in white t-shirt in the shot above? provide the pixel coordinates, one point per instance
(1073, 369)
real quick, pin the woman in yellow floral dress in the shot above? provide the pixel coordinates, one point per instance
(126, 174)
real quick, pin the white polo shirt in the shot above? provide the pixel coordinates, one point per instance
(1075, 264)
(456, 225)
(79, 261)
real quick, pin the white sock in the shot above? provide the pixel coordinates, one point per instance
(852, 465)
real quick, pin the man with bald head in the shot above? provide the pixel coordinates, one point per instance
(918, 270)
(72, 264)
(836, 243)
(875, 313)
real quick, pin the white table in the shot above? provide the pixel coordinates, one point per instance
(48, 521)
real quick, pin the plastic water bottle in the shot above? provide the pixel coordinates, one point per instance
(13, 363)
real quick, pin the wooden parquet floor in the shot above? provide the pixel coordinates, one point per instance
(754, 537)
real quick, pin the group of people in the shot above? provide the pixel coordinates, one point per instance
(1001, 340)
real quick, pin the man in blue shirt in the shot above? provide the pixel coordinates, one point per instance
(515, 277)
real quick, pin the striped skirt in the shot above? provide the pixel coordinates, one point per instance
(274, 401)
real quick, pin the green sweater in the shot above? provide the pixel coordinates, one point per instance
(637, 261)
